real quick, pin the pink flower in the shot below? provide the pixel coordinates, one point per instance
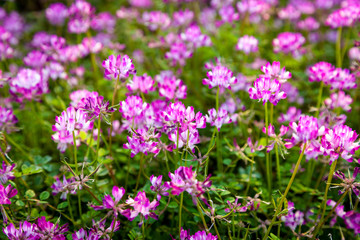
(56, 13)
(293, 219)
(6, 193)
(6, 173)
(289, 12)
(120, 67)
(83, 235)
(188, 138)
(200, 235)
(44, 229)
(78, 25)
(218, 118)
(95, 106)
(142, 205)
(247, 44)
(132, 107)
(77, 95)
(292, 115)
(35, 59)
(228, 14)
(156, 20)
(193, 35)
(178, 53)
(340, 142)
(321, 71)
(159, 187)
(288, 42)
(26, 230)
(65, 187)
(273, 71)
(343, 79)
(235, 206)
(182, 18)
(184, 179)
(219, 76)
(339, 100)
(103, 21)
(308, 24)
(266, 89)
(171, 87)
(275, 138)
(72, 119)
(7, 119)
(141, 142)
(142, 84)
(344, 17)
(113, 203)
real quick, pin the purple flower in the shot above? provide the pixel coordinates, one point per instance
(193, 35)
(120, 67)
(156, 20)
(103, 21)
(132, 107)
(171, 87)
(178, 53)
(253, 146)
(99, 230)
(352, 221)
(247, 44)
(343, 79)
(184, 179)
(143, 84)
(306, 129)
(72, 119)
(56, 13)
(141, 142)
(77, 95)
(219, 118)
(288, 42)
(339, 211)
(292, 115)
(273, 71)
(28, 84)
(83, 235)
(308, 24)
(6, 193)
(275, 138)
(340, 142)
(142, 205)
(200, 235)
(114, 205)
(141, 3)
(266, 89)
(289, 12)
(348, 183)
(292, 93)
(235, 206)
(95, 106)
(321, 71)
(339, 100)
(187, 138)
(48, 230)
(228, 14)
(344, 17)
(78, 25)
(6, 173)
(293, 219)
(25, 231)
(7, 119)
(182, 18)
(35, 59)
(159, 187)
(63, 187)
(219, 76)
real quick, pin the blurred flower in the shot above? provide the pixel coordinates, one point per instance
(308, 24)
(273, 71)
(339, 100)
(6, 193)
(120, 67)
(56, 13)
(276, 139)
(83, 235)
(247, 44)
(65, 187)
(344, 17)
(103, 21)
(7, 120)
(348, 183)
(182, 18)
(200, 235)
(142, 84)
(156, 20)
(26, 230)
(292, 115)
(178, 54)
(219, 118)
(170, 87)
(46, 230)
(343, 79)
(288, 42)
(35, 59)
(194, 36)
(293, 219)
(6, 173)
(321, 71)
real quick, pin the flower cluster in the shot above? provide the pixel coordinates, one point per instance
(288, 42)
(219, 76)
(247, 44)
(119, 67)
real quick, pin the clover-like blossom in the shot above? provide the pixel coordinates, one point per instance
(352, 221)
(219, 118)
(265, 89)
(178, 53)
(95, 106)
(344, 17)
(100, 230)
(56, 13)
(253, 146)
(293, 219)
(77, 95)
(276, 139)
(84, 235)
(247, 44)
(6, 173)
(6, 193)
(235, 206)
(64, 187)
(274, 71)
(35, 59)
(292, 115)
(170, 87)
(308, 24)
(159, 187)
(194, 36)
(289, 12)
(288, 42)
(142, 84)
(219, 76)
(28, 84)
(348, 183)
(339, 100)
(103, 21)
(120, 67)
(340, 142)
(182, 18)
(339, 211)
(142, 205)
(306, 129)
(113, 203)
(343, 79)
(72, 119)
(156, 20)
(228, 14)
(184, 179)
(49, 230)
(200, 235)
(188, 138)
(141, 141)
(26, 230)
(7, 119)
(132, 107)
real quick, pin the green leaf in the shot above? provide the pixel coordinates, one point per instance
(62, 205)
(274, 237)
(173, 205)
(227, 161)
(29, 193)
(39, 160)
(20, 203)
(44, 195)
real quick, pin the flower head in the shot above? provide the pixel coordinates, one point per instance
(273, 71)
(6, 193)
(49, 230)
(219, 76)
(26, 230)
(120, 67)
(159, 187)
(306, 129)
(6, 173)
(7, 119)
(56, 13)
(266, 89)
(288, 42)
(247, 44)
(142, 205)
(218, 118)
(143, 84)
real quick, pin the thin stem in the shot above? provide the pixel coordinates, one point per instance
(79, 202)
(112, 114)
(75, 153)
(250, 175)
(93, 195)
(202, 216)
(338, 48)
(268, 170)
(98, 139)
(323, 205)
(278, 167)
(140, 170)
(216, 230)
(278, 209)
(319, 99)
(209, 148)
(93, 64)
(12, 142)
(218, 140)
(70, 210)
(180, 211)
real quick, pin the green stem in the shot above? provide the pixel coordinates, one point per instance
(209, 148)
(278, 167)
(216, 230)
(338, 48)
(79, 202)
(12, 142)
(112, 114)
(319, 99)
(218, 140)
(268, 170)
(93, 64)
(180, 211)
(75, 153)
(279, 206)
(202, 216)
(98, 139)
(250, 175)
(70, 210)
(323, 205)
(140, 170)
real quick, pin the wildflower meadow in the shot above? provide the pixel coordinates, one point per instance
(179, 119)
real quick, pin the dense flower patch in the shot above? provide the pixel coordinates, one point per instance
(180, 119)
